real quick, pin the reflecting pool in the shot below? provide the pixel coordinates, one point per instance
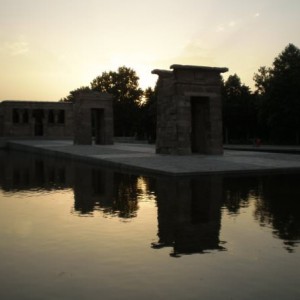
(76, 231)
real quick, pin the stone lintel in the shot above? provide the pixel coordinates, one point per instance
(198, 68)
(162, 73)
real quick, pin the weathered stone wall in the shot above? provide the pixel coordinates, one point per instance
(20, 118)
(58, 120)
(177, 91)
(166, 140)
(85, 105)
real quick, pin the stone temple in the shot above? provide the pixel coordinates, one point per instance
(189, 113)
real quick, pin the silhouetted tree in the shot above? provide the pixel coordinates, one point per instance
(70, 97)
(239, 111)
(278, 88)
(262, 80)
(148, 115)
(123, 85)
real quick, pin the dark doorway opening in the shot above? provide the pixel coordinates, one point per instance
(38, 115)
(98, 126)
(51, 117)
(1, 126)
(200, 124)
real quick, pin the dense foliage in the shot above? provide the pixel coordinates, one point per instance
(278, 88)
(272, 111)
(123, 85)
(239, 111)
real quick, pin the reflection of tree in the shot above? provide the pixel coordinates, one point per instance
(127, 192)
(277, 202)
(124, 203)
(279, 206)
(237, 191)
(114, 194)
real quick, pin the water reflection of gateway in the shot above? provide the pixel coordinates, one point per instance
(189, 209)
(189, 214)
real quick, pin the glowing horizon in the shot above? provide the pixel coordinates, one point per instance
(50, 47)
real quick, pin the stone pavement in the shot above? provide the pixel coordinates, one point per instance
(142, 158)
(264, 148)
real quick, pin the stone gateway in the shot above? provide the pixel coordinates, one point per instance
(93, 117)
(189, 110)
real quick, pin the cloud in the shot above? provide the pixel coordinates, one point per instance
(17, 48)
(220, 28)
(197, 52)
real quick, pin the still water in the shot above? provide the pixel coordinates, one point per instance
(75, 231)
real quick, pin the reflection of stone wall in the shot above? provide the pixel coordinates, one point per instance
(95, 189)
(189, 214)
(22, 171)
(189, 116)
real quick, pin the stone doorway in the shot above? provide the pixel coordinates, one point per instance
(200, 124)
(38, 116)
(98, 125)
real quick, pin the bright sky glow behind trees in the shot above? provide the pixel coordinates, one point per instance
(49, 47)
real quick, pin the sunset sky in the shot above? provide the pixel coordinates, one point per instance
(49, 47)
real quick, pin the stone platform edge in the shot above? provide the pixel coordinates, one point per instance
(142, 170)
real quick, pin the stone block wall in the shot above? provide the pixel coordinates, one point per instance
(189, 115)
(91, 114)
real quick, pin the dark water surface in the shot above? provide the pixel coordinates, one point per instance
(73, 231)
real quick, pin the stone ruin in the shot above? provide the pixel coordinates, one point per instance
(87, 120)
(189, 110)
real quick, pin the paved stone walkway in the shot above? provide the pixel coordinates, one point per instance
(142, 158)
(265, 148)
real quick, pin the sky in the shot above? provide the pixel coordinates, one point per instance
(50, 47)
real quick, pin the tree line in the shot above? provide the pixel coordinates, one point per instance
(270, 113)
